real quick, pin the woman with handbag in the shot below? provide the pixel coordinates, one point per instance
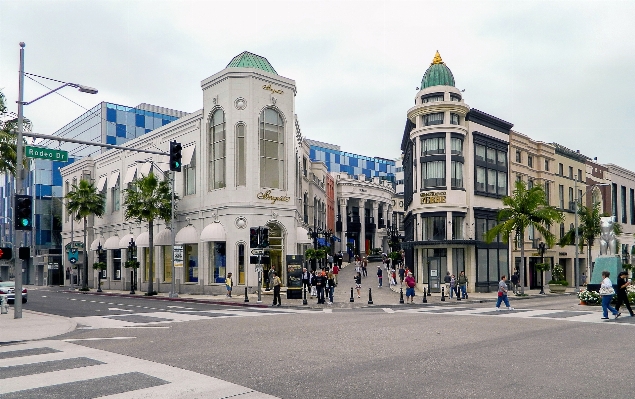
(607, 292)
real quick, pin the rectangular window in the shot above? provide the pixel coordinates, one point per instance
(632, 207)
(547, 165)
(457, 174)
(547, 192)
(167, 263)
(519, 156)
(561, 196)
(479, 153)
(480, 179)
(454, 118)
(623, 198)
(571, 202)
(502, 183)
(433, 174)
(434, 97)
(189, 179)
(490, 170)
(241, 158)
(491, 181)
(433, 119)
(116, 264)
(190, 262)
(241, 264)
(530, 161)
(116, 197)
(579, 174)
(432, 146)
(491, 156)
(530, 183)
(480, 229)
(571, 172)
(561, 169)
(146, 263)
(457, 227)
(433, 228)
(501, 159)
(455, 97)
(456, 145)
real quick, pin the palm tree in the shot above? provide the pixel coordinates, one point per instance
(525, 208)
(146, 200)
(84, 201)
(8, 149)
(588, 229)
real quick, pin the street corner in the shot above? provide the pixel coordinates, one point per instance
(33, 326)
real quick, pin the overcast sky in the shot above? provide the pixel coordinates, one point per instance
(559, 71)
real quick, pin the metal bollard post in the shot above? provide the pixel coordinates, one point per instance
(401, 295)
(425, 295)
(4, 306)
(443, 294)
(352, 299)
(304, 302)
(246, 298)
(458, 295)
(370, 297)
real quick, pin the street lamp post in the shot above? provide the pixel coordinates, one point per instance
(132, 248)
(100, 252)
(541, 249)
(19, 171)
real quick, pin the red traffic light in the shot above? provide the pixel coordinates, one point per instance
(6, 253)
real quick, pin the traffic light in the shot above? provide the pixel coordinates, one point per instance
(24, 253)
(6, 253)
(175, 156)
(264, 237)
(23, 212)
(253, 237)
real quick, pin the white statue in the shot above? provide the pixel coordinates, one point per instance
(607, 236)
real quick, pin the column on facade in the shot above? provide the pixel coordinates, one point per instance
(362, 233)
(376, 239)
(344, 216)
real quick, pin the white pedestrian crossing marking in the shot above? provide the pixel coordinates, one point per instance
(164, 381)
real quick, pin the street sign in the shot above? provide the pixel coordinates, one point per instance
(257, 251)
(73, 255)
(258, 269)
(46, 153)
(178, 256)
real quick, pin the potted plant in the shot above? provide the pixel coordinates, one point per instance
(589, 298)
(557, 284)
(99, 266)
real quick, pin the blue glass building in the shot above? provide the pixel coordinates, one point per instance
(337, 160)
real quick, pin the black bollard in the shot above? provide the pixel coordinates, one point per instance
(442, 294)
(370, 297)
(401, 295)
(425, 296)
(429, 293)
(352, 299)
(246, 297)
(458, 295)
(304, 302)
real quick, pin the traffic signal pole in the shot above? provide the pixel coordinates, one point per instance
(17, 267)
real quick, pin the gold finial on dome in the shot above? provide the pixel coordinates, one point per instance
(437, 59)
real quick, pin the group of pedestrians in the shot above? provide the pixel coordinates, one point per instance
(455, 286)
(321, 283)
(607, 291)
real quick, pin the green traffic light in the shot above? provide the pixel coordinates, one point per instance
(24, 222)
(178, 164)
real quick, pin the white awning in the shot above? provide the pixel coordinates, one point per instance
(213, 232)
(114, 178)
(96, 242)
(130, 174)
(125, 240)
(302, 236)
(112, 243)
(187, 155)
(101, 184)
(143, 239)
(145, 168)
(187, 235)
(163, 238)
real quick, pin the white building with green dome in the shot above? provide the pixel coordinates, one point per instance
(455, 161)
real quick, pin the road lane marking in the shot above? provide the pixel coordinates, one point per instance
(96, 339)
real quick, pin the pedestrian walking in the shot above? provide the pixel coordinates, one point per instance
(583, 279)
(622, 295)
(358, 283)
(340, 259)
(306, 280)
(380, 275)
(336, 271)
(330, 283)
(446, 281)
(320, 284)
(402, 273)
(358, 266)
(462, 280)
(393, 277)
(229, 283)
(607, 292)
(515, 280)
(365, 267)
(410, 287)
(276, 290)
(502, 294)
(452, 286)
(330, 260)
(270, 274)
(313, 286)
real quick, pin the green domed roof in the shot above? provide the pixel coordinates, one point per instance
(251, 60)
(438, 74)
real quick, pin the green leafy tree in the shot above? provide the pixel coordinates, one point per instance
(588, 229)
(523, 209)
(83, 201)
(8, 148)
(147, 200)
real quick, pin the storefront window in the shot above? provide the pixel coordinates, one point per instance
(146, 262)
(167, 264)
(190, 262)
(433, 228)
(218, 265)
(241, 264)
(116, 264)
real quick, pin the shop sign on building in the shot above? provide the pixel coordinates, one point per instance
(433, 198)
(267, 196)
(178, 256)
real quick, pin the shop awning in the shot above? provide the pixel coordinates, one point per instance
(96, 242)
(101, 184)
(187, 235)
(114, 178)
(143, 240)
(125, 240)
(336, 238)
(130, 174)
(163, 238)
(213, 232)
(187, 155)
(302, 236)
(112, 243)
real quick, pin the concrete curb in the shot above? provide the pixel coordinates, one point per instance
(35, 326)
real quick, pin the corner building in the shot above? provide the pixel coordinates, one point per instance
(455, 164)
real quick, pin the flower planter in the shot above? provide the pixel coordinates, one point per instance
(557, 288)
(583, 303)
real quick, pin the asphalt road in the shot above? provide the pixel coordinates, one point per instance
(547, 348)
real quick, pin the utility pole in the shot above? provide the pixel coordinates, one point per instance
(17, 308)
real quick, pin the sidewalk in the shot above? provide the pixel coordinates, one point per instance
(32, 326)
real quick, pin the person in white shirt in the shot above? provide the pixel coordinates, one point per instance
(607, 292)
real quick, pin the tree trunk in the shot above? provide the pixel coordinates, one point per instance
(85, 276)
(588, 265)
(151, 257)
(522, 264)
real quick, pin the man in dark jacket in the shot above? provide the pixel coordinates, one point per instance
(622, 295)
(320, 283)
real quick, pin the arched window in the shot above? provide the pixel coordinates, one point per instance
(217, 150)
(241, 156)
(271, 149)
